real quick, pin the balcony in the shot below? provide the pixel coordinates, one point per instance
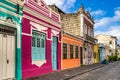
(89, 38)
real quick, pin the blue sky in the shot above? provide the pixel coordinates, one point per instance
(106, 13)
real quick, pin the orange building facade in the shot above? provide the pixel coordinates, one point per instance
(71, 51)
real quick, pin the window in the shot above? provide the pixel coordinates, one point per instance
(110, 50)
(76, 53)
(42, 43)
(94, 55)
(38, 45)
(110, 42)
(38, 42)
(33, 41)
(64, 51)
(71, 52)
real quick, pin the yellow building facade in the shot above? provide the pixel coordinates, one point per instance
(96, 54)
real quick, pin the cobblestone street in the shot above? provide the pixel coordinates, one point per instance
(109, 72)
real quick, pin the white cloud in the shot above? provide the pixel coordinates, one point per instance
(108, 21)
(117, 8)
(113, 30)
(97, 12)
(109, 25)
(64, 5)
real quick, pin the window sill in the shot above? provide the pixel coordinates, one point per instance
(38, 63)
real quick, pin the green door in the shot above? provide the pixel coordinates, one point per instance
(54, 53)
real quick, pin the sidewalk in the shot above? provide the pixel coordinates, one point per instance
(66, 74)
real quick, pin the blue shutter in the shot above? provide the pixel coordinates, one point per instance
(38, 46)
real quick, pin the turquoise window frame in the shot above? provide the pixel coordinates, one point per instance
(38, 46)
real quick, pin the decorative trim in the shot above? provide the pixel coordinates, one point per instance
(38, 15)
(7, 6)
(49, 39)
(55, 33)
(39, 22)
(10, 13)
(38, 26)
(82, 25)
(16, 1)
(26, 34)
(39, 63)
(88, 19)
(8, 24)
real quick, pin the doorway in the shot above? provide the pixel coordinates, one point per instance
(7, 53)
(54, 53)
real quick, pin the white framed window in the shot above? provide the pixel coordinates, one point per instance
(38, 46)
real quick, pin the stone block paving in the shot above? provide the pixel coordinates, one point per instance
(69, 73)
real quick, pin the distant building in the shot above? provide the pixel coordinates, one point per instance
(79, 24)
(118, 50)
(96, 55)
(110, 43)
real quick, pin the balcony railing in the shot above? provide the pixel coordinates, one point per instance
(89, 38)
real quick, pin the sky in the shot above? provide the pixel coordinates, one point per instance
(106, 13)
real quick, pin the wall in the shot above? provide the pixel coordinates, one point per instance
(40, 18)
(11, 18)
(71, 23)
(75, 62)
(96, 59)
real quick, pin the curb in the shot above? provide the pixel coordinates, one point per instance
(67, 78)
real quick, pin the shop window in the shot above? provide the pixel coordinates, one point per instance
(64, 51)
(76, 52)
(38, 46)
(71, 52)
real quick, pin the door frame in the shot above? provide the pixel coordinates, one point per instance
(15, 57)
(56, 53)
(81, 55)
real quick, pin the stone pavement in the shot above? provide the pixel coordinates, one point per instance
(69, 73)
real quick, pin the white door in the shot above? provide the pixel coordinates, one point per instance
(7, 56)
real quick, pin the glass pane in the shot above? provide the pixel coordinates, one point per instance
(76, 51)
(38, 42)
(42, 43)
(71, 51)
(33, 41)
(64, 51)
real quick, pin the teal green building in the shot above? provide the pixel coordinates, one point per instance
(10, 39)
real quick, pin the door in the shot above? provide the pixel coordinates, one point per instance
(81, 55)
(7, 53)
(54, 53)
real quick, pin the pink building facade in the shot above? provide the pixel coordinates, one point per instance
(41, 41)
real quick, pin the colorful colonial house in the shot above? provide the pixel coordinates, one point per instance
(80, 24)
(10, 39)
(41, 41)
(110, 43)
(71, 51)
